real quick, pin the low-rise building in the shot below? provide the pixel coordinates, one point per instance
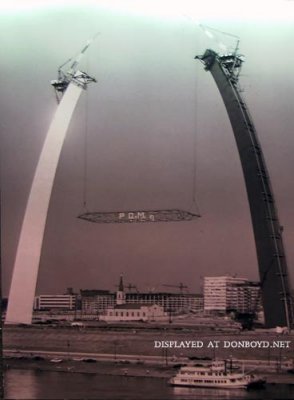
(134, 312)
(96, 301)
(47, 302)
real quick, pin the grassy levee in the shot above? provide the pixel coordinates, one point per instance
(140, 341)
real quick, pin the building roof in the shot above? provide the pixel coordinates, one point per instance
(133, 306)
(94, 292)
(166, 294)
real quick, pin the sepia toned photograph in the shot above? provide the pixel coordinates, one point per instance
(147, 192)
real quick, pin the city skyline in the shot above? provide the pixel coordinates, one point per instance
(170, 287)
(150, 85)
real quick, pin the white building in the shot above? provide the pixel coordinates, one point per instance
(225, 293)
(134, 312)
(52, 301)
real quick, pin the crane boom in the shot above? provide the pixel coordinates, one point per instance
(180, 286)
(80, 78)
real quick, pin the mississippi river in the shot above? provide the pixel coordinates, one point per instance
(31, 384)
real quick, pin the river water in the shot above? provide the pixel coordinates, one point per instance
(32, 384)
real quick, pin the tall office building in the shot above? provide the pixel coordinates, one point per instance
(227, 293)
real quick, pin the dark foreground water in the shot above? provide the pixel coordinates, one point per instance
(30, 384)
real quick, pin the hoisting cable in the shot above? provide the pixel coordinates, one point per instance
(85, 158)
(195, 205)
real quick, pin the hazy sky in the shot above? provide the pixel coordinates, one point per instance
(153, 116)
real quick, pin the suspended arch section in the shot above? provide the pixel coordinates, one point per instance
(273, 270)
(123, 217)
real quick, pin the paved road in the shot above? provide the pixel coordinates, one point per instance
(132, 358)
(256, 364)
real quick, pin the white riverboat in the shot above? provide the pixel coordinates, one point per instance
(217, 374)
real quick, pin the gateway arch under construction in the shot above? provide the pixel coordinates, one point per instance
(273, 270)
(69, 85)
(275, 286)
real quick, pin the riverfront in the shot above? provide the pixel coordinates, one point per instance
(119, 362)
